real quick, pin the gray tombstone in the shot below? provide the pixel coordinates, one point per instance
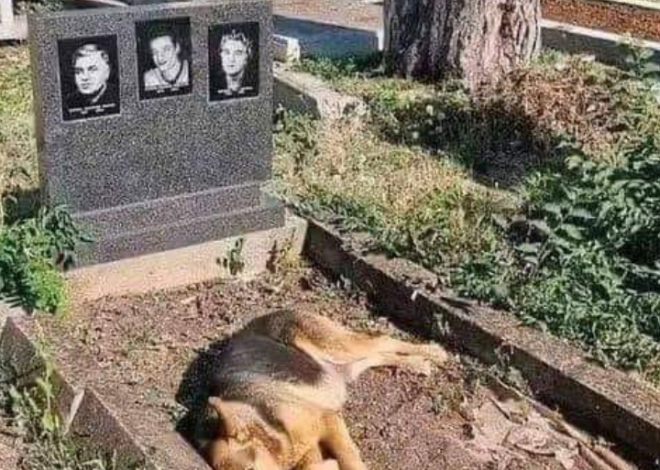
(154, 122)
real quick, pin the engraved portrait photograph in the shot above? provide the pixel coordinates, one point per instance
(233, 61)
(163, 53)
(89, 77)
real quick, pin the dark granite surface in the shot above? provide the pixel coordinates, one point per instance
(157, 163)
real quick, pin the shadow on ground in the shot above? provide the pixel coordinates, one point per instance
(194, 391)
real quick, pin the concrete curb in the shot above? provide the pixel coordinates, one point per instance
(312, 38)
(305, 93)
(605, 400)
(606, 47)
(86, 411)
(82, 411)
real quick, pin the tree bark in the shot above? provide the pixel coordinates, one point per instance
(475, 40)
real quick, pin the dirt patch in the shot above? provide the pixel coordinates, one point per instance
(622, 19)
(353, 13)
(140, 350)
(9, 447)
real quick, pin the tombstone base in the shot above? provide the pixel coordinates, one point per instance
(116, 241)
(177, 268)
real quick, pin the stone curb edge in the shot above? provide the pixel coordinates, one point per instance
(83, 409)
(605, 400)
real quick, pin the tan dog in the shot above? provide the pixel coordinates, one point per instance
(279, 386)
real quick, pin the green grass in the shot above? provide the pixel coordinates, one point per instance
(539, 195)
(18, 162)
(346, 174)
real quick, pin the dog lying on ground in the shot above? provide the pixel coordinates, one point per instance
(279, 386)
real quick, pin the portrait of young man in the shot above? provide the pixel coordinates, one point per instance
(164, 64)
(88, 77)
(233, 61)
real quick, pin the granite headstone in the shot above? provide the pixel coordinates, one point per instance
(154, 122)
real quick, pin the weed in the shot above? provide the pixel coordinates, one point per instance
(32, 252)
(283, 258)
(30, 411)
(334, 70)
(233, 261)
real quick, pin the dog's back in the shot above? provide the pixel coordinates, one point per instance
(257, 369)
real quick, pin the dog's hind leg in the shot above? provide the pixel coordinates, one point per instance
(328, 341)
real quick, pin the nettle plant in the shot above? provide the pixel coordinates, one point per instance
(591, 254)
(583, 260)
(32, 254)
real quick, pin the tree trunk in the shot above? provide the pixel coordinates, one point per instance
(475, 40)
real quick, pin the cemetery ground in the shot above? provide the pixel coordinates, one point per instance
(539, 197)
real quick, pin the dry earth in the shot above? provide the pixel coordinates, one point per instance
(151, 351)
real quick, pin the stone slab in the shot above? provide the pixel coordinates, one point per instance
(604, 400)
(286, 49)
(148, 170)
(12, 27)
(104, 223)
(328, 40)
(193, 230)
(158, 147)
(185, 266)
(305, 93)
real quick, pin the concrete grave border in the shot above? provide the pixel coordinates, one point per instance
(605, 400)
(86, 409)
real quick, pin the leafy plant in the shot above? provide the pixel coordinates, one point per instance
(639, 60)
(31, 412)
(32, 253)
(577, 256)
(333, 69)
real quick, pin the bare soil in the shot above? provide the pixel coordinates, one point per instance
(147, 350)
(352, 13)
(622, 19)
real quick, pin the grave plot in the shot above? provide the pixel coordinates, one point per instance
(156, 164)
(144, 356)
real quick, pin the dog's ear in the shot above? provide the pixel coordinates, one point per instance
(234, 416)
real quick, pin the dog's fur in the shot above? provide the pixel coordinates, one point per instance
(279, 386)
